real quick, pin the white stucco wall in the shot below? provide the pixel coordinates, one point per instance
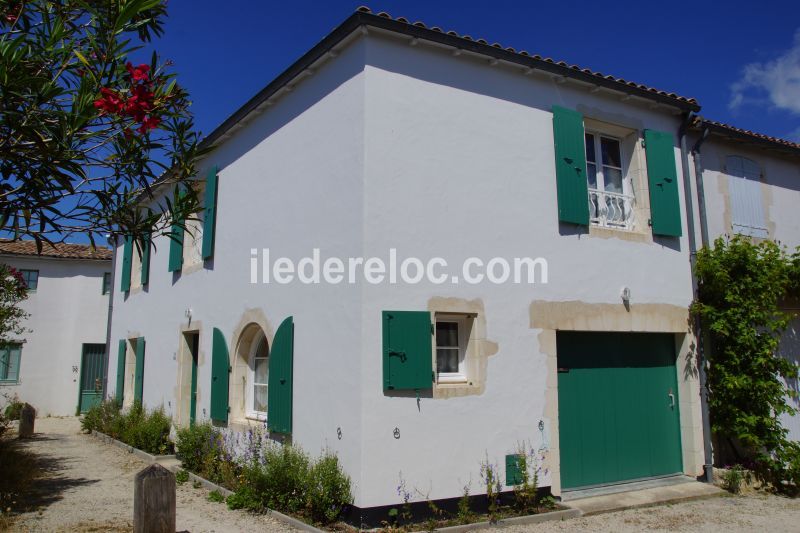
(780, 187)
(67, 310)
(391, 146)
(290, 180)
(459, 163)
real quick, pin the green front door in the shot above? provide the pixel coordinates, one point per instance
(92, 372)
(617, 407)
(193, 393)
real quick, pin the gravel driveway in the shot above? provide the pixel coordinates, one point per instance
(88, 486)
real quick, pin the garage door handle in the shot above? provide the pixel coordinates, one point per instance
(671, 400)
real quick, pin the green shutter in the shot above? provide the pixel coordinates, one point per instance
(120, 392)
(210, 214)
(513, 470)
(220, 368)
(138, 384)
(176, 248)
(665, 208)
(127, 257)
(279, 383)
(407, 359)
(146, 242)
(570, 149)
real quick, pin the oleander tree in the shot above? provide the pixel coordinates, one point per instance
(85, 133)
(13, 290)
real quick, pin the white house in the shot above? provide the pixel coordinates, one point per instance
(58, 364)
(751, 186)
(390, 139)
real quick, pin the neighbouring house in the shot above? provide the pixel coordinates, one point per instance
(396, 136)
(58, 366)
(751, 186)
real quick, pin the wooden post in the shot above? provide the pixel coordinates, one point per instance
(27, 416)
(154, 500)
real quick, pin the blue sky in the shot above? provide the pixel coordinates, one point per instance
(740, 59)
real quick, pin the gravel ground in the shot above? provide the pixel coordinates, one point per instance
(88, 486)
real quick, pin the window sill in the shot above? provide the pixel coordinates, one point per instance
(451, 378)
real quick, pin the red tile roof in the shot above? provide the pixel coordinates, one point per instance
(63, 250)
(575, 68)
(726, 129)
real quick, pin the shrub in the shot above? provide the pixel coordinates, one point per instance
(194, 445)
(287, 480)
(328, 489)
(14, 409)
(99, 417)
(147, 431)
(216, 496)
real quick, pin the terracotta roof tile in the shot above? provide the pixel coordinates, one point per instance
(63, 250)
(383, 14)
(700, 121)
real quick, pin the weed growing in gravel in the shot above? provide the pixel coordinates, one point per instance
(181, 476)
(216, 496)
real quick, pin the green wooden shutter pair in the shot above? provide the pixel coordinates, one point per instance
(279, 383)
(210, 213)
(407, 350)
(120, 392)
(220, 374)
(513, 470)
(138, 382)
(573, 189)
(127, 258)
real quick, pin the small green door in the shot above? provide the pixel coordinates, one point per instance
(193, 394)
(617, 407)
(92, 372)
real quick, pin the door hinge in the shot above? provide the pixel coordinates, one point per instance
(433, 330)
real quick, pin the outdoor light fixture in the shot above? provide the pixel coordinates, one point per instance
(626, 294)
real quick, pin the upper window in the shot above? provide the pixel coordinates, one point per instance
(106, 282)
(610, 191)
(259, 373)
(9, 363)
(747, 207)
(31, 278)
(452, 335)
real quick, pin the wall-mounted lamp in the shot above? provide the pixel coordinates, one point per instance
(625, 294)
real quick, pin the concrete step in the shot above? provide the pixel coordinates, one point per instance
(668, 491)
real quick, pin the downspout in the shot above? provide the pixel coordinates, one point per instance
(112, 240)
(708, 466)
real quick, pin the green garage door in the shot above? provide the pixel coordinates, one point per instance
(617, 407)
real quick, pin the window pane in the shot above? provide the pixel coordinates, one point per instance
(613, 179)
(590, 155)
(610, 150)
(260, 398)
(261, 367)
(447, 359)
(446, 334)
(31, 278)
(106, 282)
(13, 368)
(591, 168)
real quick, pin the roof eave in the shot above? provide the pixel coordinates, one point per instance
(358, 19)
(723, 132)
